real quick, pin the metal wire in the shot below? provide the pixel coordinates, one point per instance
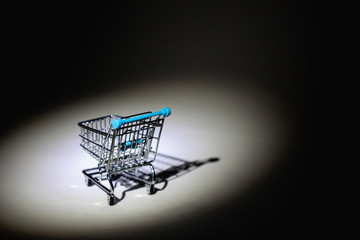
(133, 144)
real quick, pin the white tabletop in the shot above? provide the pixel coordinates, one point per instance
(240, 125)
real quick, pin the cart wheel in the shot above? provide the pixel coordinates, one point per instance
(150, 188)
(88, 182)
(114, 177)
(111, 199)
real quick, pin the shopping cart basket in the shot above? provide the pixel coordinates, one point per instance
(122, 145)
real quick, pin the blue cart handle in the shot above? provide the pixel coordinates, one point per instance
(118, 122)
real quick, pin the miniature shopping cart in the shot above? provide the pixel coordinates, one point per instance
(122, 145)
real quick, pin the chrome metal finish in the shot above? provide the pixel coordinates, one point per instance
(120, 151)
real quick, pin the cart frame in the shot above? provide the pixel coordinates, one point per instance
(122, 145)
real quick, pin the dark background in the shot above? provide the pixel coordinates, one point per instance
(57, 53)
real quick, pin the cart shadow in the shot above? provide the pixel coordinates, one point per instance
(167, 168)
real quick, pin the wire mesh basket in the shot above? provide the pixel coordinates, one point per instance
(122, 145)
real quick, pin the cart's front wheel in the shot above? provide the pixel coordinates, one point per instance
(150, 189)
(111, 199)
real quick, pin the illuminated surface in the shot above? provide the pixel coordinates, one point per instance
(42, 187)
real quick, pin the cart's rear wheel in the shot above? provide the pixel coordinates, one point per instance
(114, 177)
(89, 182)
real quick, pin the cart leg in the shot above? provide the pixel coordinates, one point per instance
(111, 195)
(150, 188)
(111, 184)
